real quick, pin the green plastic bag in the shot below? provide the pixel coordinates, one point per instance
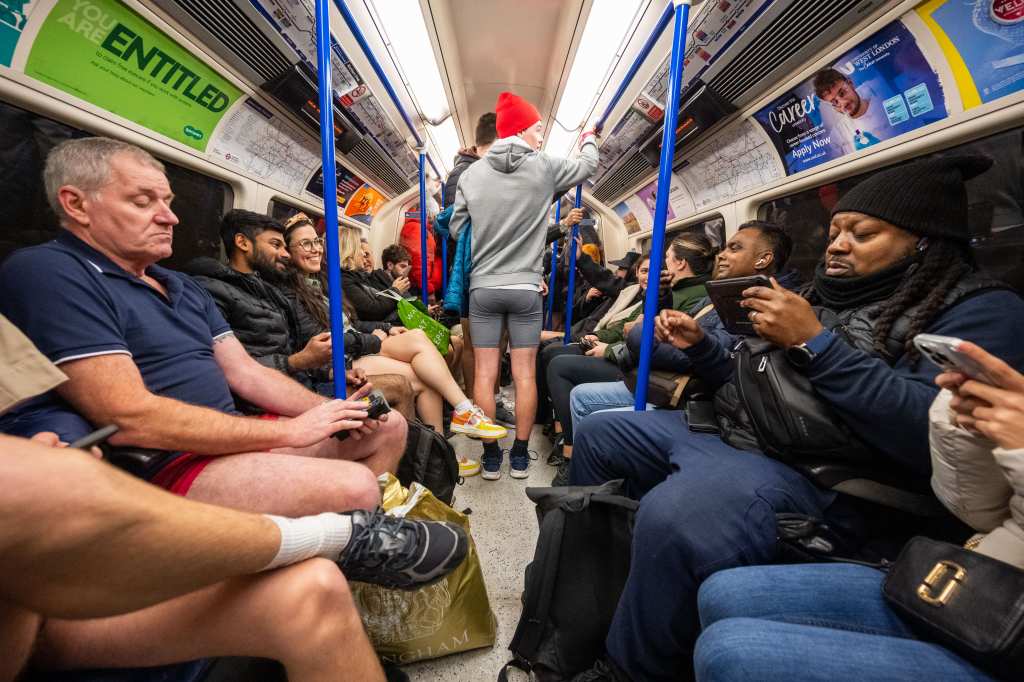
(415, 316)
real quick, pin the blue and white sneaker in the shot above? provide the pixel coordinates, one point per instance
(519, 464)
(490, 466)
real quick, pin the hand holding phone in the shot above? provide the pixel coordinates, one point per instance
(944, 351)
(97, 437)
(726, 295)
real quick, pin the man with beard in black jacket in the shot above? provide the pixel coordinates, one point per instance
(245, 291)
(897, 263)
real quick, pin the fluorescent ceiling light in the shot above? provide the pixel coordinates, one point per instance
(446, 143)
(559, 140)
(606, 28)
(401, 23)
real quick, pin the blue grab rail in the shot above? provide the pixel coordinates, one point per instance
(552, 279)
(323, 64)
(668, 145)
(572, 271)
(424, 278)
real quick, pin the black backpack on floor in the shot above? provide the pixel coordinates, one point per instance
(429, 460)
(574, 581)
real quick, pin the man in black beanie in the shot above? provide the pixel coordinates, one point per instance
(897, 264)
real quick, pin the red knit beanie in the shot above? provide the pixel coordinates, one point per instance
(515, 114)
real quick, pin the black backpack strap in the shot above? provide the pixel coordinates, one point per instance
(889, 496)
(516, 663)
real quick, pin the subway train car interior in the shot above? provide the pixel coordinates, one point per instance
(562, 340)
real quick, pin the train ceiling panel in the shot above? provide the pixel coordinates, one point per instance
(267, 44)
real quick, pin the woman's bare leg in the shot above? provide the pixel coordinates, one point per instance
(415, 348)
(429, 404)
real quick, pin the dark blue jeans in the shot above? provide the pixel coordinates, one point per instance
(705, 506)
(810, 623)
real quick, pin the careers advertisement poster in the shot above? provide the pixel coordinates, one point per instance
(880, 89)
(983, 40)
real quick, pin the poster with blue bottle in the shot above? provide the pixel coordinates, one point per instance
(880, 89)
(984, 43)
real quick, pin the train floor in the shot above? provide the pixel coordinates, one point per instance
(504, 527)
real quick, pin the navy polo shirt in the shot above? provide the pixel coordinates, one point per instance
(73, 302)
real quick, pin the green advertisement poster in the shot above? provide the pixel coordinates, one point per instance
(106, 54)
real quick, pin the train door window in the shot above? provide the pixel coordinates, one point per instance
(282, 211)
(713, 228)
(25, 215)
(995, 210)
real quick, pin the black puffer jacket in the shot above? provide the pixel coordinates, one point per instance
(257, 311)
(358, 342)
(359, 290)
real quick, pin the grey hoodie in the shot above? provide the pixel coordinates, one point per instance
(506, 197)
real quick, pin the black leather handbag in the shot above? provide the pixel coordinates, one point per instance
(970, 603)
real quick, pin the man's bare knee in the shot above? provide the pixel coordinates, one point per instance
(362, 491)
(19, 630)
(316, 608)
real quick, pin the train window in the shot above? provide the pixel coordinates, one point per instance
(996, 210)
(25, 216)
(282, 211)
(713, 228)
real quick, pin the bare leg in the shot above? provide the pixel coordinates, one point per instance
(415, 348)
(429, 403)
(398, 391)
(303, 616)
(123, 535)
(286, 485)
(454, 357)
(549, 335)
(524, 375)
(488, 362)
(18, 629)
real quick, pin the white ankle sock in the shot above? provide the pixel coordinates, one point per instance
(466, 404)
(324, 535)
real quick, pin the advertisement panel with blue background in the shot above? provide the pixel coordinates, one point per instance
(984, 43)
(880, 89)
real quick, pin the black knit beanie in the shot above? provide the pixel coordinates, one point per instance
(926, 197)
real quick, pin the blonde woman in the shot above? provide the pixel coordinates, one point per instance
(392, 349)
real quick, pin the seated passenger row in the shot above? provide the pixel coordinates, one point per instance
(841, 349)
(147, 349)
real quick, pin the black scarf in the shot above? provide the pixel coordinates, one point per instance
(841, 293)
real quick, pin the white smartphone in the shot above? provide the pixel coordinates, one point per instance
(943, 351)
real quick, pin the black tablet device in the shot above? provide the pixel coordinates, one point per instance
(726, 295)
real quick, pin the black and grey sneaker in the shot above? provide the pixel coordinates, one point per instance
(401, 553)
(555, 457)
(504, 416)
(562, 477)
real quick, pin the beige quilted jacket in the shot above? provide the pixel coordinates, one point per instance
(981, 483)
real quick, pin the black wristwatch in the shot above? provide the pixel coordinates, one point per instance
(803, 355)
(800, 356)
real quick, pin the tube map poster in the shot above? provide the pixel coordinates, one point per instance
(880, 89)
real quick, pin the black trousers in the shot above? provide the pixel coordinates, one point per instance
(566, 370)
(549, 350)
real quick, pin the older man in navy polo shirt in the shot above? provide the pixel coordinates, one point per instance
(146, 348)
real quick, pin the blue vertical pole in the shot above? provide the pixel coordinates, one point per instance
(552, 279)
(444, 255)
(572, 270)
(326, 96)
(668, 145)
(423, 229)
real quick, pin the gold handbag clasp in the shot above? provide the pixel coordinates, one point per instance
(954, 575)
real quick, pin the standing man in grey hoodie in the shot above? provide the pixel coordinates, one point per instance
(506, 201)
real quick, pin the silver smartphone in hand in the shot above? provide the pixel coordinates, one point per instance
(942, 351)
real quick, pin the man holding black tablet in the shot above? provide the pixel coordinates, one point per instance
(897, 264)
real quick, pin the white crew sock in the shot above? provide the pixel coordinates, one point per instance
(465, 405)
(324, 535)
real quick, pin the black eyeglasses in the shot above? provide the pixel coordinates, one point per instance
(311, 245)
